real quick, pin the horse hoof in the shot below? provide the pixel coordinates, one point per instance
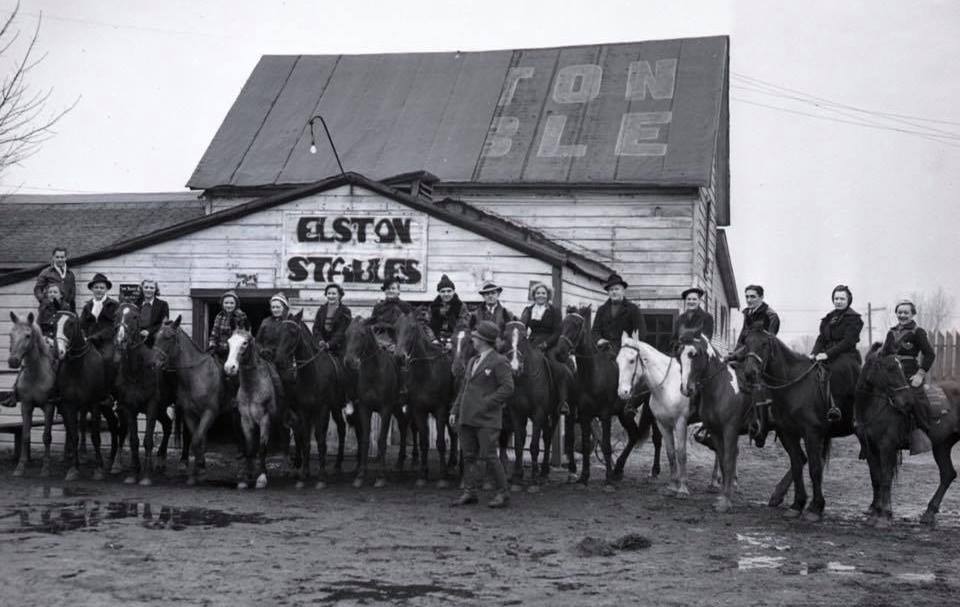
(581, 485)
(488, 486)
(145, 482)
(514, 488)
(242, 485)
(44, 471)
(130, 480)
(262, 481)
(682, 493)
(98, 474)
(357, 483)
(883, 523)
(668, 491)
(300, 485)
(443, 484)
(421, 483)
(928, 518)
(572, 478)
(775, 502)
(72, 475)
(117, 467)
(791, 513)
(871, 520)
(20, 470)
(711, 488)
(320, 485)
(182, 466)
(609, 488)
(191, 481)
(380, 483)
(722, 506)
(655, 472)
(814, 517)
(160, 468)
(533, 489)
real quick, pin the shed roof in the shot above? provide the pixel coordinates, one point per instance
(572, 115)
(30, 226)
(512, 234)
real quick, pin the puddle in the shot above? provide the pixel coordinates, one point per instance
(747, 563)
(374, 590)
(923, 578)
(840, 568)
(756, 540)
(90, 514)
(48, 491)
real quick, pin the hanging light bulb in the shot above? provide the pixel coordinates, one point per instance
(313, 148)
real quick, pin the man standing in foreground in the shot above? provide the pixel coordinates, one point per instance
(477, 413)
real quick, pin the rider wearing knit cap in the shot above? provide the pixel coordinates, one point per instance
(229, 316)
(268, 336)
(447, 313)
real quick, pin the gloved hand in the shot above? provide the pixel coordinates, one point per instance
(542, 346)
(322, 345)
(453, 421)
(819, 357)
(917, 380)
(602, 342)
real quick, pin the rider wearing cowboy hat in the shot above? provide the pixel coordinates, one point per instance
(617, 316)
(492, 309)
(98, 314)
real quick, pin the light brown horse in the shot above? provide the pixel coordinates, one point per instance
(30, 353)
(258, 401)
(201, 392)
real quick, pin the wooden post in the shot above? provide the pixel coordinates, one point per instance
(949, 356)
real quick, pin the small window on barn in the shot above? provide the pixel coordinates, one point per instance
(659, 325)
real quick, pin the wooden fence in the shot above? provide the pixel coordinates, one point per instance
(946, 345)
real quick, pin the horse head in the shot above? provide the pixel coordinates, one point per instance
(68, 332)
(695, 354)
(884, 374)
(408, 332)
(359, 337)
(629, 364)
(241, 350)
(127, 325)
(25, 336)
(166, 343)
(515, 334)
(293, 335)
(571, 332)
(758, 351)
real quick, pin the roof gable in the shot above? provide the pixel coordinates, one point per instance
(645, 113)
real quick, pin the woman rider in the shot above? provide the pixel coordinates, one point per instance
(331, 322)
(693, 323)
(268, 335)
(229, 316)
(836, 345)
(908, 342)
(543, 321)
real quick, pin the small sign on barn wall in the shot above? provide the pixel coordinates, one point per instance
(354, 248)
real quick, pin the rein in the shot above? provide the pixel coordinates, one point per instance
(639, 365)
(788, 383)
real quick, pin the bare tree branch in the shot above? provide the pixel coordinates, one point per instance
(24, 120)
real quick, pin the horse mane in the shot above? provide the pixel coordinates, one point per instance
(39, 339)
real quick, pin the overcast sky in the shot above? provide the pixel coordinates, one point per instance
(815, 200)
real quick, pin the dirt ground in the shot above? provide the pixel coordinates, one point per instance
(105, 543)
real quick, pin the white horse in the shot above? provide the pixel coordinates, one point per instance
(639, 361)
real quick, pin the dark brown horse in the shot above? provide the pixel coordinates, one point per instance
(430, 391)
(314, 388)
(534, 400)
(723, 407)
(595, 396)
(883, 405)
(377, 390)
(82, 386)
(259, 401)
(800, 402)
(34, 384)
(137, 389)
(201, 391)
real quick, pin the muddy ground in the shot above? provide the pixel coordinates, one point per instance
(105, 543)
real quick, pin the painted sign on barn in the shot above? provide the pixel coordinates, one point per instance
(355, 248)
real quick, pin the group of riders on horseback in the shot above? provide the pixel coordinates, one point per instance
(447, 317)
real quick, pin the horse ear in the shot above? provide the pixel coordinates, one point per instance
(13, 317)
(245, 324)
(298, 316)
(876, 346)
(30, 318)
(176, 322)
(233, 323)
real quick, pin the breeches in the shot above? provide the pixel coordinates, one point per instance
(479, 447)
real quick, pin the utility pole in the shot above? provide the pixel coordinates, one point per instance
(870, 311)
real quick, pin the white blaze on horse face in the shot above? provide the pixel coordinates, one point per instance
(460, 336)
(627, 364)
(733, 380)
(686, 361)
(232, 365)
(62, 336)
(514, 342)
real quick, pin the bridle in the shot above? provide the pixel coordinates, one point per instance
(165, 358)
(786, 383)
(72, 354)
(640, 369)
(295, 364)
(703, 380)
(129, 343)
(890, 392)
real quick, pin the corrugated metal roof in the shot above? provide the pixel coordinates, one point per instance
(641, 113)
(30, 226)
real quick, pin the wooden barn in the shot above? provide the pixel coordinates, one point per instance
(559, 165)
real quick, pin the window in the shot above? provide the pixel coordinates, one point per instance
(659, 325)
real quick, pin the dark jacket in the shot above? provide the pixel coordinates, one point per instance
(500, 316)
(268, 336)
(693, 323)
(99, 330)
(68, 285)
(764, 315)
(159, 310)
(909, 342)
(543, 331)
(484, 392)
(447, 319)
(610, 327)
(839, 334)
(46, 313)
(386, 312)
(336, 337)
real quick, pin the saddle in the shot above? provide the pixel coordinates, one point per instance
(939, 404)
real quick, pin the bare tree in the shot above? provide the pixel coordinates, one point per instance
(935, 309)
(25, 122)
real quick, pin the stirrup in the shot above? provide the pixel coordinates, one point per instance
(702, 435)
(834, 414)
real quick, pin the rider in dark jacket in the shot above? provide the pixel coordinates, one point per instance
(910, 344)
(836, 344)
(331, 322)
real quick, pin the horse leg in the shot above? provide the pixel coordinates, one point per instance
(606, 447)
(320, 432)
(48, 411)
(385, 420)
(454, 445)
(780, 491)
(668, 439)
(341, 424)
(166, 424)
(727, 452)
(586, 440)
(440, 422)
(98, 473)
(941, 454)
(153, 411)
(421, 422)
(629, 424)
(265, 425)
(549, 425)
(680, 442)
(186, 440)
(814, 445)
(135, 469)
(71, 451)
(535, 435)
(362, 428)
(657, 448)
(199, 445)
(82, 427)
(248, 432)
(797, 462)
(875, 478)
(888, 465)
(519, 440)
(117, 426)
(26, 418)
(569, 440)
(716, 477)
